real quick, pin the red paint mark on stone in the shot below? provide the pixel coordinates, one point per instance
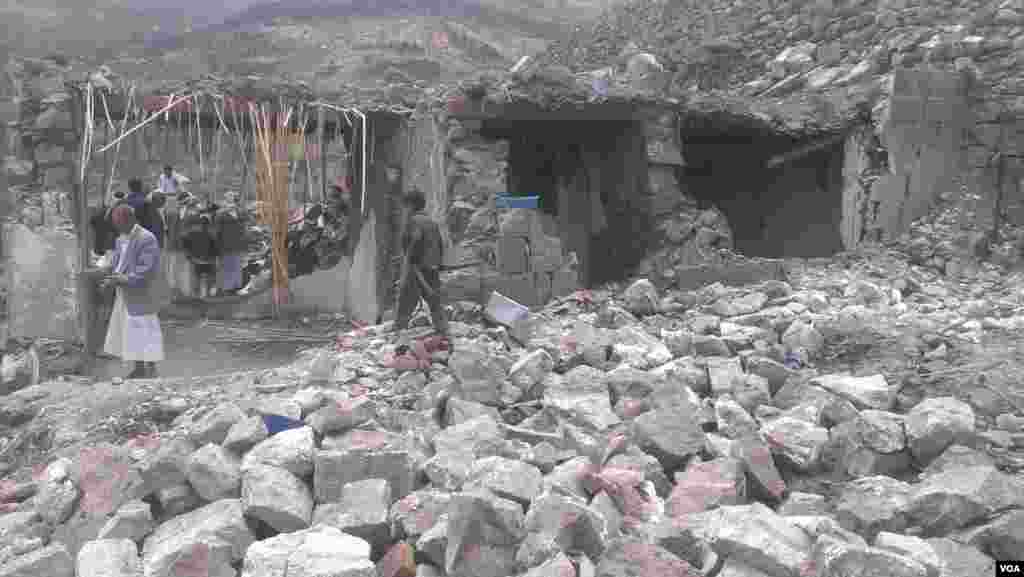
(808, 568)
(761, 456)
(99, 478)
(650, 564)
(703, 485)
(196, 563)
(568, 344)
(345, 343)
(38, 472)
(399, 562)
(358, 389)
(632, 408)
(775, 440)
(8, 507)
(777, 487)
(147, 441)
(566, 568)
(472, 553)
(367, 439)
(424, 521)
(408, 504)
(7, 490)
(569, 519)
(583, 297)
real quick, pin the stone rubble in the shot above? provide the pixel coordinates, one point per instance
(590, 451)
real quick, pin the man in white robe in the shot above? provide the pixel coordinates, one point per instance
(134, 332)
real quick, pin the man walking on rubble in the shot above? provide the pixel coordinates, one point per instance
(423, 249)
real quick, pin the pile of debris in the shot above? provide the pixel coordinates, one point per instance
(635, 434)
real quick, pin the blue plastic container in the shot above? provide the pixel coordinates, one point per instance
(506, 201)
(277, 423)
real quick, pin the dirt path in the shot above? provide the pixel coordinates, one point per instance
(193, 350)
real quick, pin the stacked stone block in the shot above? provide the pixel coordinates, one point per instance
(533, 266)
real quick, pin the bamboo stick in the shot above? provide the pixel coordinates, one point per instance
(321, 145)
(136, 127)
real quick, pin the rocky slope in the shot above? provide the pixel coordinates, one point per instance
(862, 418)
(725, 44)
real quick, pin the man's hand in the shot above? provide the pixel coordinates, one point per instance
(116, 279)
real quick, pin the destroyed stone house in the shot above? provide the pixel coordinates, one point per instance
(792, 178)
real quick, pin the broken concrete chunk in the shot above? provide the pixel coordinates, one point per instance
(672, 434)
(109, 558)
(245, 434)
(362, 511)
(217, 532)
(833, 557)
(133, 520)
(214, 473)
(871, 392)
(359, 455)
(418, 511)
(582, 393)
(798, 443)
(51, 561)
(506, 478)
(277, 497)
(707, 485)
(935, 424)
(873, 504)
(913, 547)
(626, 556)
(291, 450)
(320, 550)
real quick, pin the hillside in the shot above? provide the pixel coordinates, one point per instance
(332, 42)
(724, 44)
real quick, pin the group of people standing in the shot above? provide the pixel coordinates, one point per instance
(167, 238)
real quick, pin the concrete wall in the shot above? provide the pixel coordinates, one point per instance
(40, 249)
(928, 118)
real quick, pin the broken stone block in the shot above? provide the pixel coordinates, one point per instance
(362, 511)
(759, 538)
(873, 504)
(764, 479)
(342, 415)
(277, 497)
(959, 456)
(833, 557)
(215, 473)
(796, 442)
(559, 566)
(433, 543)
(818, 525)
(959, 497)
(872, 443)
(417, 512)
(567, 478)
(1002, 538)
(164, 467)
(707, 485)
(870, 392)
(398, 562)
(724, 374)
(959, 559)
(673, 435)
(320, 550)
(913, 547)
(217, 532)
(804, 504)
(582, 393)
(641, 298)
(935, 424)
(476, 372)
(740, 304)
(56, 501)
(291, 450)
(626, 556)
(52, 561)
(483, 533)
(530, 370)
(774, 372)
(458, 411)
(448, 471)
(509, 479)
(133, 520)
(246, 434)
(359, 455)
(213, 425)
(834, 409)
(573, 524)
(109, 558)
(536, 549)
(177, 500)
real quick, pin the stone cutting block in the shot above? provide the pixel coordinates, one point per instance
(513, 254)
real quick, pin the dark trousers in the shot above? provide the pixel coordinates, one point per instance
(411, 291)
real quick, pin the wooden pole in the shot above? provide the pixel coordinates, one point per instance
(80, 175)
(105, 185)
(321, 150)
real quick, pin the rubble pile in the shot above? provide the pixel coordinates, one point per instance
(634, 433)
(687, 236)
(841, 42)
